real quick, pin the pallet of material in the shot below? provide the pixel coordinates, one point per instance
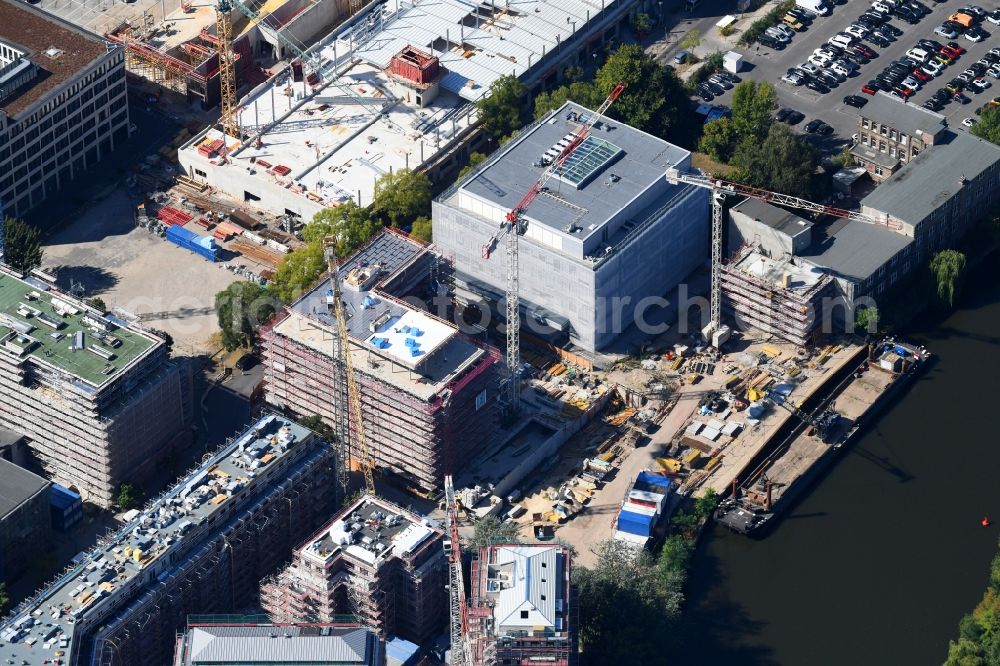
(256, 252)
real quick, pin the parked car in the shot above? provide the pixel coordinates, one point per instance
(782, 114)
(813, 125)
(864, 50)
(870, 88)
(246, 362)
(955, 46)
(794, 118)
(720, 81)
(969, 122)
(933, 67)
(793, 78)
(974, 10)
(837, 76)
(921, 75)
(770, 42)
(857, 101)
(878, 40)
(932, 105)
(813, 84)
(975, 34)
(827, 78)
(945, 31)
(929, 44)
(994, 17)
(793, 23)
(980, 84)
(824, 129)
(857, 30)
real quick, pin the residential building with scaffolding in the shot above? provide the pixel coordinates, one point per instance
(62, 104)
(232, 640)
(428, 392)
(98, 398)
(401, 82)
(201, 547)
(522, 606)
(374, 560)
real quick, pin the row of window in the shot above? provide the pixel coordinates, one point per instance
(889, 132)
(93, 82)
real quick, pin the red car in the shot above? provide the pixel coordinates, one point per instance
(922, 75)
(869, 89)
(949, 53)
(955, 46)
(864, 50)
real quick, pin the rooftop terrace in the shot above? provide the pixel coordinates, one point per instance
(45, 327)
(47, 622)
(372, 530)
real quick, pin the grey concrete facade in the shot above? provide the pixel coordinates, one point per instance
(591, 256)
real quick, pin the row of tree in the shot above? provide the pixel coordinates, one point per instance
(978, 641)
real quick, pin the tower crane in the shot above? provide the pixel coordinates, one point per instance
(227, 68)
(513, 226)
(461, 646)
(720, 190)
(344, 364)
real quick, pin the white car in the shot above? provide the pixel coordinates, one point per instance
(842, 40)
(980, 84)
(994, 18)
(785, 30)
(840, 69)
(881, 7)
(912, 83)
(858, 31)
(994, 71)
(933, 67)
(995, 52)
(777, 34)
(809, 67)
(969, 122)
(945, 31)
(792, 78)
(973, 37)
(819, 61)
(917, 54)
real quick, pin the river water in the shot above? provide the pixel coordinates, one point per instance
(880, 560)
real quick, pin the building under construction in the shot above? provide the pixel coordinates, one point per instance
(522, 608)
(375, 560)
(428, 392)
(201, 547)
(98, 398)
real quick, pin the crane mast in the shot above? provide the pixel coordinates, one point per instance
(720, 190)
(227, 69)
(343, 355)
(461, 647)
(512, 227)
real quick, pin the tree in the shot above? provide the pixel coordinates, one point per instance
(129, 497)
(753, 106)
(654, 98)
(350, 224)
(97, 303)
(4, 600)
(867, 319)
(641, 23)
(584, 93)
(492, 530)
(421, 229)
(318, 426)
(948, 267)
(475, 159)
(22, 245)
(988, 126)
(401, 196)
(242, 308)
(718, 140)
(500, 108)
(298, 271)
(783, 162)
(705, 505)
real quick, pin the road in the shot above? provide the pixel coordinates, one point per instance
(770, 65)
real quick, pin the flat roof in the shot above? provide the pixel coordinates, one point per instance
(856, 249)
(777, 218)
(37, 31)
(46, 622)
(800, 277)
(911, 119)
(30, 317)
(372, 530)
(17, 486)
(933, 177)
(640, 162)
(286, 645)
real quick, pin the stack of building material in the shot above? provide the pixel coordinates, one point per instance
(643, 508)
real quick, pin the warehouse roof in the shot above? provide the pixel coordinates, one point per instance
(778, 219)
(286, 645)
(17, 486)
(58, 48)
(911, 119)
(43, 326)
(611, 169)
(856, 250)
(933, 177)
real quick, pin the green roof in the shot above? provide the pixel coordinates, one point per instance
(50, 343)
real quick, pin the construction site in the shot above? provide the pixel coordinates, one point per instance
(96, 396)
(201, 547)
(428, 392)
(374, 560)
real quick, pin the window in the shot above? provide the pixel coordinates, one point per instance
(878, 171)
(892, 134)
(884, 130)
(480, 399)
(524, 615)
(865, 123)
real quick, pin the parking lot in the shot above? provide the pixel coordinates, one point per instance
(770, 65)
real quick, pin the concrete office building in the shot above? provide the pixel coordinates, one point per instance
(228, 640)
(25, 524)
(420, 67)
(201, 547)
(375, 560)
(522, 607)
(428, 392)
(97, 397)
(608, 232)
(62, 103)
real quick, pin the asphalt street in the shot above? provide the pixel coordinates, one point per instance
(770, 65)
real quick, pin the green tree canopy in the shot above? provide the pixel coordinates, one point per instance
(654, 98)
(242, 308)
(421, 229)
(4, 600)
(978, 641)
(352, 226)
(867, 319)
(401, 196)
(718, 139)
(129, 497)
(475, 159)
(988, 126)
(318, 426)
(753, 106)
(783, 162)
(948, 267)
(298, 271)
(97, 303)
(22, 245)
(500, 109)
(492, 530)
(584, 93)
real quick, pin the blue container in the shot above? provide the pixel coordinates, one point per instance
(200, 245)
(66, 508)
(635, 523)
